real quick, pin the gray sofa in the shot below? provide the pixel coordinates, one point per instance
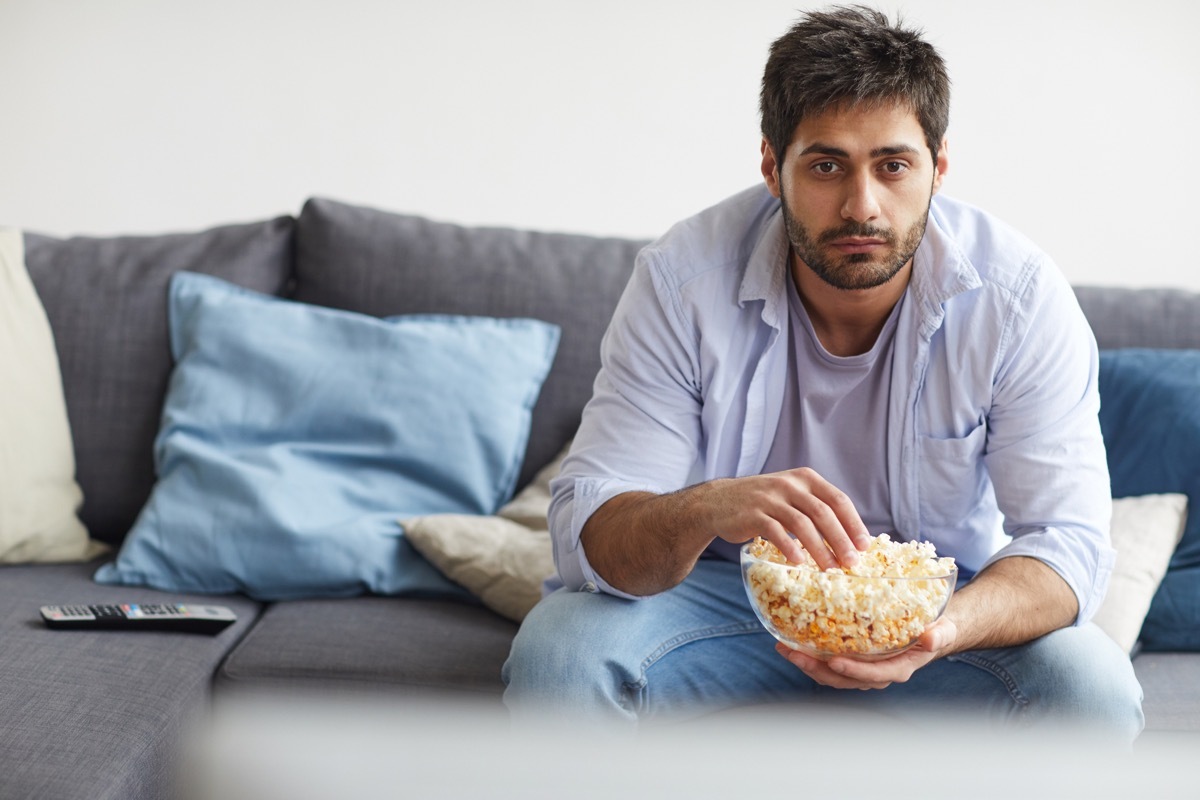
(100, 714)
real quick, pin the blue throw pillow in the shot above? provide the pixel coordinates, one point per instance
(293, 437)
(1150, 416)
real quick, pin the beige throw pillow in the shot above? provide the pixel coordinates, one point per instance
(1145, 532)
(501, 559)
(39, 498)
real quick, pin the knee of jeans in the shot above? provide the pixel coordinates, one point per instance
(1101, 689)
(557, 652)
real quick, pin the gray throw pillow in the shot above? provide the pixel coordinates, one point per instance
(106, 299)
(381, 263)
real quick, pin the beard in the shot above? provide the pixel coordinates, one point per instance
(857, 270)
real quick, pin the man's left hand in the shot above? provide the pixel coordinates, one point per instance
(842, 672)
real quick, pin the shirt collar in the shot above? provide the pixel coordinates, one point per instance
(766, 271)
(941, 270)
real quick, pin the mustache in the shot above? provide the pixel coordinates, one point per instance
(858, 230)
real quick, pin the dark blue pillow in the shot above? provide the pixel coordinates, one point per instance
(1150, 417)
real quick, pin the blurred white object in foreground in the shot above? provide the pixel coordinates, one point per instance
(296, 748)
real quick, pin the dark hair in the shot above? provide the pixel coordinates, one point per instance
(851, 55)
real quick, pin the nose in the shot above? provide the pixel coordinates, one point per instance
(860, 203)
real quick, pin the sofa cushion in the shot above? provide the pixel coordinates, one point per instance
(371, 643)
(502, 559)
(39, 497)
(1169, 681)
(1145, 532)
(294, 436)
(97, 714)
(1141, 317)
(106, 299)
(1150, 418)
(382, 263)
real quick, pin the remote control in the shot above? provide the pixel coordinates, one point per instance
(135, 617)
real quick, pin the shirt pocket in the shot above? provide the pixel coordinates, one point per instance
(951, 478)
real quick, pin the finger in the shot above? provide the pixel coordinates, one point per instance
(843, 508)
(821, 532)
(864, 674)
(814, 541)
(938, 637)
(897, 669)
(838, 504)
(823, 673)
(777, 534)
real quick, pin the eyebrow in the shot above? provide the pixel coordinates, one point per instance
(878, 152)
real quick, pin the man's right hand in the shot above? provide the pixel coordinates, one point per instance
(644, 543)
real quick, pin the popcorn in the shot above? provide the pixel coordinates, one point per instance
(883, 609)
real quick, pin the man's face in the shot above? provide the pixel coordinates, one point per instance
(856, 186)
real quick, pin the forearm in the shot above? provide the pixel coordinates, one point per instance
(1013, 601)
(643, 543)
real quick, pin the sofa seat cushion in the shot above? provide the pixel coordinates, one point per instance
(380, 263)
(93, 715)
(373, 643)
(1169, 681)
(106, 299)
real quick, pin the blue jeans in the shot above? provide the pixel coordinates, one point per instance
(698, 648)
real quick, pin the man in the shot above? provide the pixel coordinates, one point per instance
(836, 354)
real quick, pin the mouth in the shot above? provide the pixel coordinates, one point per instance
(853, 245)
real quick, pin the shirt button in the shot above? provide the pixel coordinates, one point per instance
(589, 587)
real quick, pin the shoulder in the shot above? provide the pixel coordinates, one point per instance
(720, 238)
(1004, 259)
(1020, 292)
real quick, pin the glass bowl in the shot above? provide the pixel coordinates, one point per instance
(832, 613)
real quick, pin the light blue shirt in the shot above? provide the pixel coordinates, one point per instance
(993, 441)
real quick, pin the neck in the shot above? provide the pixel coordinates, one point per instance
(847, 322)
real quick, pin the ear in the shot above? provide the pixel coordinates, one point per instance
(942, 165)
(770, 168)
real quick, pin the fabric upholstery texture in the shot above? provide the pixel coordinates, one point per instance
(39, 497)
(382, 263)
(294, 436)
(1150, 418)
(375, 642)
(1145, 532)
(1124, 317)
(1169, 682)
(106, 299)
(84, 714)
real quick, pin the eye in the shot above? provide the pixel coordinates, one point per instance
(825, 167)
(894, 167)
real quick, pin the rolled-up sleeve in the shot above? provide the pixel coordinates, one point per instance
(640, 432)
(1045, 451)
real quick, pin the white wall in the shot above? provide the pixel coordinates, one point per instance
(1077, 121)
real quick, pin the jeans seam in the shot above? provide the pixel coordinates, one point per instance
(675, 642)
(987, 665)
